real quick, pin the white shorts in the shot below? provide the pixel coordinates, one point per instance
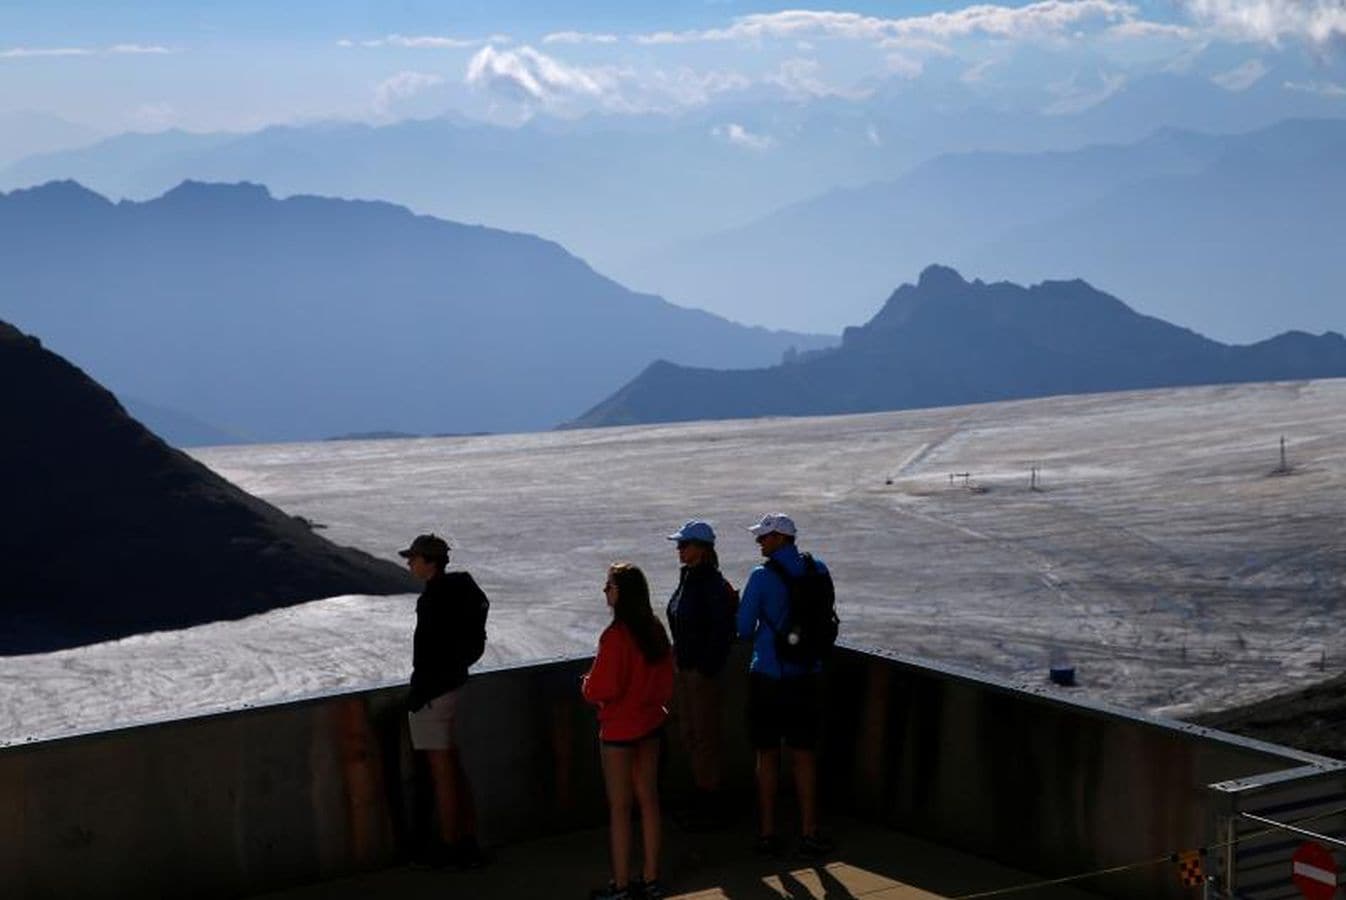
(432, 724)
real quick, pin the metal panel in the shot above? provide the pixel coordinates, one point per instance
(1256, 859)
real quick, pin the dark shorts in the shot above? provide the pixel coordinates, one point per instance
(784, 709)
(656, 733)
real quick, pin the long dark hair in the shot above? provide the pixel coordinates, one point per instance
(632, 609)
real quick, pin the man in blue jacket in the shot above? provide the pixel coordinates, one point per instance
(784, 698)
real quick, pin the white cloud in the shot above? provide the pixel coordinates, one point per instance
(537, 79)
(1142, 30)
(903, 66)
(1044, 18)
(1049, 17)
(135, 49)
(1271, 21)
(872, 134)
(426, 42)
(1241, 77)
(741, 137)
(1072, 97)
(430, 42)
(977, 74)
(1321, 88)
(579, 37)
(914, 44)
(800, 79)
(690, 87)
(401, 86)
(26, 52)
(114, 50)
(529, 75)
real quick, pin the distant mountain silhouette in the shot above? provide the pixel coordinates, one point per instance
(613, 188)
(309, 317)
(946, 341)
(178, 428)
(107, 531)
(1198, 229)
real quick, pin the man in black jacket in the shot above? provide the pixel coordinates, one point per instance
(450, 636)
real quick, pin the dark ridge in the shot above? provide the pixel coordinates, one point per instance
(946, 341)
(107, 531)
(220, 305)
(374, 436)
(1312, 719)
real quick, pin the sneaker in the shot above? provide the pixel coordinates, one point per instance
(611, 892)
(649, 890)
(467, 855)
(768, 845)
(815, 846)
(432, 856)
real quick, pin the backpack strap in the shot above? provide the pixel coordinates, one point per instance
(777, 568)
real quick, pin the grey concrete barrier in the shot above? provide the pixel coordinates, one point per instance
(1031, 775)
(260, 799)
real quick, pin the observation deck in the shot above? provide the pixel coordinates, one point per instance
(937, 783)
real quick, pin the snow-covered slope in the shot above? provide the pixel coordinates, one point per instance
(1160, 556)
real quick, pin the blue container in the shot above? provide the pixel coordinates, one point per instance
(1062, 675)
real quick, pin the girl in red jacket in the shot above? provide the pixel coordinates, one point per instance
(631, 683)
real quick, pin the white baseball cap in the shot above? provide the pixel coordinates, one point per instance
(780, 523)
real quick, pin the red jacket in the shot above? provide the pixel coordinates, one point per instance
(631, 694)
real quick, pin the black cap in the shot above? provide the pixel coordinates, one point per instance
(429, 546)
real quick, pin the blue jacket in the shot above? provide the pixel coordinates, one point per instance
(765, 600)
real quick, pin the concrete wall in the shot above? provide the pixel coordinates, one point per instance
(1028, 775)
(238, 803)
(260, 799)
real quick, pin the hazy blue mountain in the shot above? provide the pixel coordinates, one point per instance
(946, 341)
(614, 188)
(605, 185)
(310, 317)
(1248, 245)
(26, 133)
(108, 531)
(1204, 230)
(180, 429)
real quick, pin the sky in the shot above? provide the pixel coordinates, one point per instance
(152, 65)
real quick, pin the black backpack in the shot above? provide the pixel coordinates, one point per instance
(475, 607)
(810, 628)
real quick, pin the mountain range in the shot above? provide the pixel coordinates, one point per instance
(946, 341)
(311, 317)
(107, 531)
(615, 189)
(1232, 235)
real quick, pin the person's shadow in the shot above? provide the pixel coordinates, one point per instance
(832, 888)
(758, 889)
